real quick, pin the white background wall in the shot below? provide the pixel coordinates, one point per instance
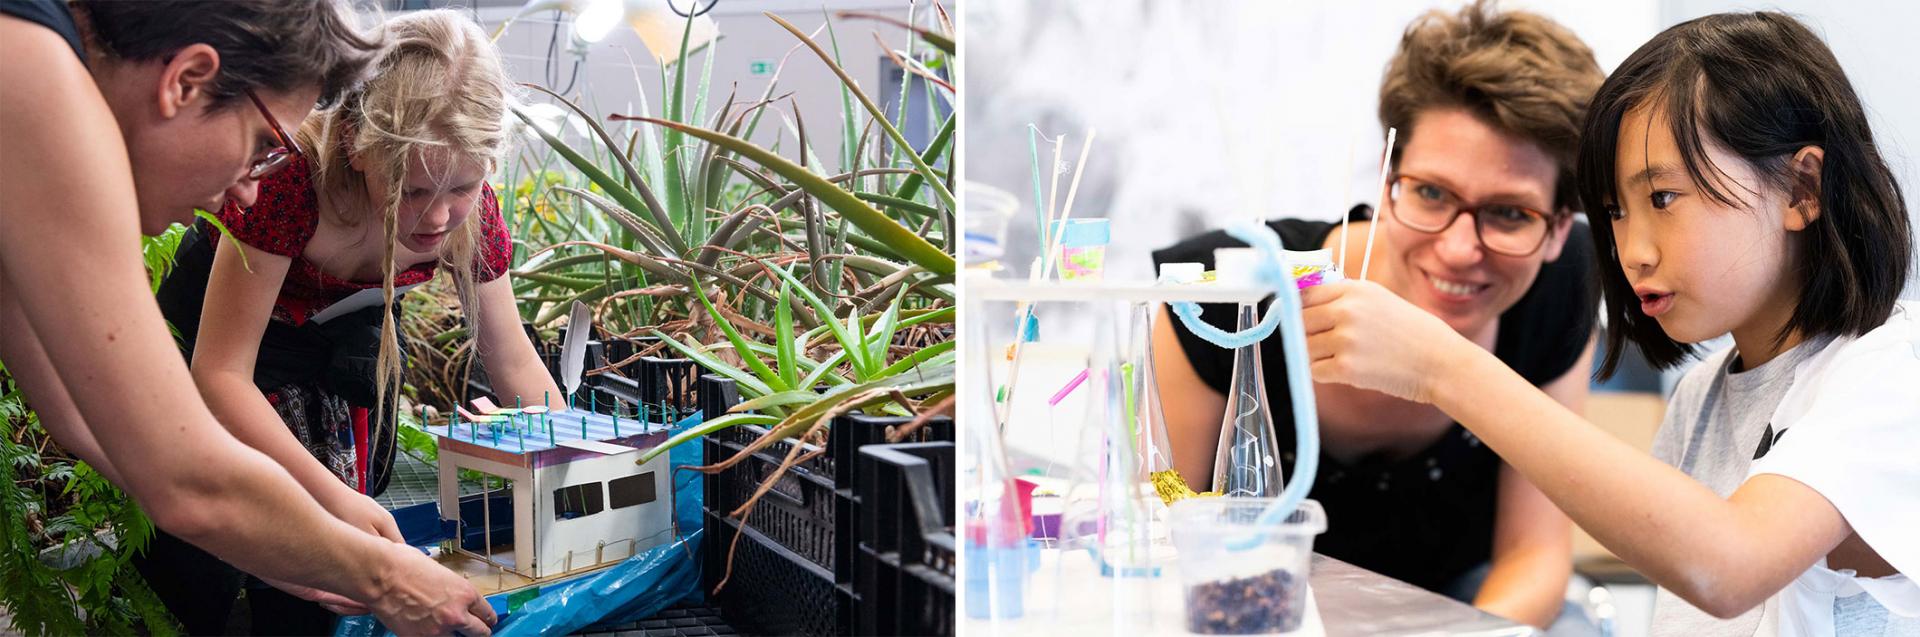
(1210, 112)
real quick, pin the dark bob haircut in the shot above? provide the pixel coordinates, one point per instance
(1763, 86)
(271, 45)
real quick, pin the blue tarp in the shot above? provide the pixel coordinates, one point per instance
(635, 589)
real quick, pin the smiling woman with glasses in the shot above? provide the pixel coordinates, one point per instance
(1476, 229)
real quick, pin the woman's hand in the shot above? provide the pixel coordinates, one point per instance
(336, 604)
(362, 512)
(1364, 335)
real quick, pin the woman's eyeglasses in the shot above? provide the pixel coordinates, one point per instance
(276, 158)
(1506, 229)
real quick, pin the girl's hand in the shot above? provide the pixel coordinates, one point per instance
(363, 513)
(1364, 335)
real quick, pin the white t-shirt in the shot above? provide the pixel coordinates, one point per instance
(1849, 428)
(1716, 421)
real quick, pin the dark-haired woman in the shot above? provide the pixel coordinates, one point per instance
(119, 118)
(1745, 196)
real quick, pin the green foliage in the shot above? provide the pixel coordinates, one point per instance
(655, 205)
(416, 442)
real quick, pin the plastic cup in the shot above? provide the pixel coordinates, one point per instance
(1260, 590)
(987, 212)
(1083, 248)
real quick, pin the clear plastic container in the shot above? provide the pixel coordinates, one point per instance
(1083, 248)
(1258, 590)
(987, 212)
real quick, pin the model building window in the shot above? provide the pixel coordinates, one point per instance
(631, 490)
(576, 501)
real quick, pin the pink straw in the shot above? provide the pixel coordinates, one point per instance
(1071, 385)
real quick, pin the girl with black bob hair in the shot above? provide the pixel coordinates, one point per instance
(1743, 195)
(1763, 86)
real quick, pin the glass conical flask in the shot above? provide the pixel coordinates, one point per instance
(1247, 462)
(1109, 508)
(995, 562)
(1143, 407)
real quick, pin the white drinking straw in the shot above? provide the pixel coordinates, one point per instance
(1386, 163)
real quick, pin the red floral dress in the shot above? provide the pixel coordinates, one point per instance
(287, 213)
(282, 221)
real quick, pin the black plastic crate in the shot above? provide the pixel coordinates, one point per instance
(813, 497)
(667, 384)
(904, 562)
(808, 515)
(616, 350)
(797, 513)
(669, 401)
(771, 590)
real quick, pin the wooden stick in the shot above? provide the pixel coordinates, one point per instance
(1066, 212)
(1039, 201)
(1045, 268)
(1053, 190)
(1346, 202)
(1386, 164)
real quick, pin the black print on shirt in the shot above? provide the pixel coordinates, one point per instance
(1767, 440)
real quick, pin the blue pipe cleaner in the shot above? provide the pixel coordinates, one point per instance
(1273, 272)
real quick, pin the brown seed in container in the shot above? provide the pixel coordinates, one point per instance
(1266, 603)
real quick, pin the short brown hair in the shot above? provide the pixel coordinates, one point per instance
(272, 45)
(1519, 72)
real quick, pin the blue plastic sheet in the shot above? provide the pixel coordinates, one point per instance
(635, 589)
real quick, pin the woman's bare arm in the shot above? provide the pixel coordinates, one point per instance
(1193, 409)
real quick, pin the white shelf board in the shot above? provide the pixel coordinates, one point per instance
(988, 289)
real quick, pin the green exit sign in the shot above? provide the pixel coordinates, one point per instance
(759, 68)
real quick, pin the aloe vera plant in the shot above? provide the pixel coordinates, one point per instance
(664, 205)
(763, 264)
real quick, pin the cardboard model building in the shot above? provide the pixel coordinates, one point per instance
(578, 498)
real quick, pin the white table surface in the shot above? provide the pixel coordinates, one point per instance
(1068, 596)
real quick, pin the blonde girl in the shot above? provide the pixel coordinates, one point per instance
(291, 331)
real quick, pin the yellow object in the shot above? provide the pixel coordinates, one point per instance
(1172, 488)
